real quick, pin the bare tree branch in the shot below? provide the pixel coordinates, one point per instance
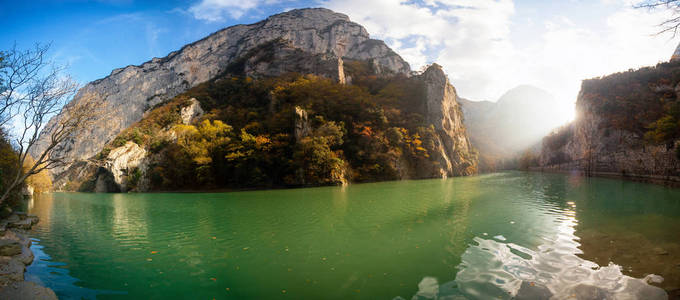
(671, 25)
(33, 91)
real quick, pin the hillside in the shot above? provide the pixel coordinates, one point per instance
(302, 98)
(518, 120)
(627, 124)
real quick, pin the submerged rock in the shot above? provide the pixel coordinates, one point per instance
(27, 290)
(660, 251)
(533, 291)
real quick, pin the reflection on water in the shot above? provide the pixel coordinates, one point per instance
(522, 235)
(493, 269)
(497, 270)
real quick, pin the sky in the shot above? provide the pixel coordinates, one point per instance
(486, 46)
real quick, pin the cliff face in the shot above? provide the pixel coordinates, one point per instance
(307, 41)
(614, 130)
(227, 111)
(455, 154)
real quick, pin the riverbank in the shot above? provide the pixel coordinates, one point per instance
(670, 181)
(15, 255)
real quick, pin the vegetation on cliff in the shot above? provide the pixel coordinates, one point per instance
(643, 101)
(628, 122)
(290, 130)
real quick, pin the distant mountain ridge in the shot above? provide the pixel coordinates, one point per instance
(518, 120)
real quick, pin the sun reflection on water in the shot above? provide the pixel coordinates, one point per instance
(499, 269)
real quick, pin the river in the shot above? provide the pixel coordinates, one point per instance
(500, 235)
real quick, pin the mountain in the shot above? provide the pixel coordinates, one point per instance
(208, 80)
(627, 124)
(518, 120)
(323, 36)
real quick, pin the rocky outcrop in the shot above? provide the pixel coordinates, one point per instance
(309, 40)
(26, 290)
(302, 126)
(15, 255)
(455, 155)
(124, 168)
(191, 112)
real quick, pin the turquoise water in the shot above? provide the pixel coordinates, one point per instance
(499, 235)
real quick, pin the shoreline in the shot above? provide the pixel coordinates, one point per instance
(15, 256)
(667, 181)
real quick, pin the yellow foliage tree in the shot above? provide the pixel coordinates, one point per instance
(40, 182)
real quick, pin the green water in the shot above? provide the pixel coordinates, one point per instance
(475, 237)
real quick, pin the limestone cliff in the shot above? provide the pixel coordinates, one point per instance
(455, 155)
(613, 132)
(305, 40)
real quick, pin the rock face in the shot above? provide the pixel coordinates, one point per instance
(27, 290)
(591, 145)
(125, 165)
(455, 155)
(306, 40)
(191, 112)
(15, 255)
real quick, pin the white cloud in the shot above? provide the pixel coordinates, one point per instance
(468, 37)
(488, 47)
(476, 41)
(215, 10)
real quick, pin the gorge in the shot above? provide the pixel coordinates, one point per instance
(298, 157)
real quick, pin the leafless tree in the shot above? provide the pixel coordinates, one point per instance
(33, 91)
(672, 24)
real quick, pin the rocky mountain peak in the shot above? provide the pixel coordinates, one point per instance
(443, 111)
(312, 40)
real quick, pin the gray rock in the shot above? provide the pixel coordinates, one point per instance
(13, 219)
(123, 161)
(26, 256)
(660, 251)
(27, 290)
(589, 292)
(9, 247)
(529, 290)
(22, 224)
(323, 36)
(11, 270)
(456, 156)
(191, 112)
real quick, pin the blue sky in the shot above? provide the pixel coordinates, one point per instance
(486, 46)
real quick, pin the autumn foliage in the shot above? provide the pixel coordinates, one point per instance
(370, 130)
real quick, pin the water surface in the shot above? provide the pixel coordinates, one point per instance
(501, 235)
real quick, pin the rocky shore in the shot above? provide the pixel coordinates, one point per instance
(15, 255)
